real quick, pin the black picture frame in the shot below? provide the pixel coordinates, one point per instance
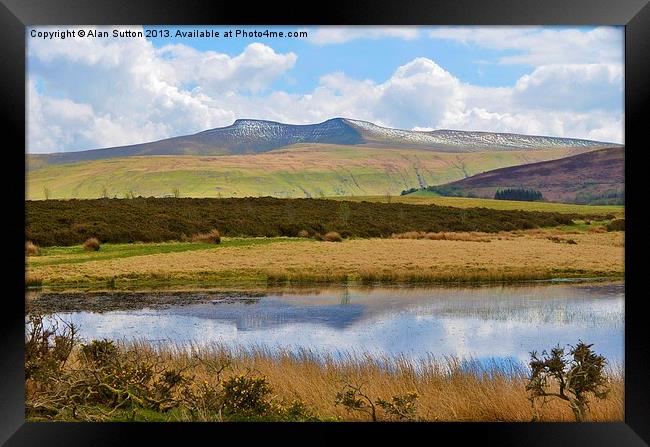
(15, 15)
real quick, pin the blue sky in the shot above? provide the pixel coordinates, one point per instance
(85, 93)
(364, 58)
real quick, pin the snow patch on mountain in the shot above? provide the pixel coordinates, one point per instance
(468, 140)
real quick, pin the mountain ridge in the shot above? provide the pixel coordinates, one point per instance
(250, 136)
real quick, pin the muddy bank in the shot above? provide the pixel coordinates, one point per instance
(56, 302)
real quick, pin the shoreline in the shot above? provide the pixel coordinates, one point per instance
(228, 284)
(467, 258)
(53, 300)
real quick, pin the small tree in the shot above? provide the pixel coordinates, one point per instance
(354, 399)
(568, 376)
(176, 192)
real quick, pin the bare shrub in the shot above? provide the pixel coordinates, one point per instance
(31, 249)
(333, 236)
(91, 244)
(47, 349)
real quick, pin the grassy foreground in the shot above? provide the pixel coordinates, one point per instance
(563, 252)
(141, 382)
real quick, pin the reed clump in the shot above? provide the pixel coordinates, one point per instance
(91, 244)
(211, 237)
(31, 249)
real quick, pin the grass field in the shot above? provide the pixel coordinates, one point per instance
(507, 256)
(298, 171)
(429, 198)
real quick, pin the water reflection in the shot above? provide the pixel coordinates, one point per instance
(479, 322)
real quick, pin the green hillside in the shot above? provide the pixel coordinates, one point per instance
(298, 171)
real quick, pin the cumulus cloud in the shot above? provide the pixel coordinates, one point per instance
(574, 86)
(104, 92)
(254, 69)
(131, 92)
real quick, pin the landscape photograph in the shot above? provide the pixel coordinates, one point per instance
(324, 224)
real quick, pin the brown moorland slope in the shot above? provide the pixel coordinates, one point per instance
(584, 178)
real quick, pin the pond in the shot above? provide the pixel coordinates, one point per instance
(481, 323)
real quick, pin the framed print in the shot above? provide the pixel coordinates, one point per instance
(408, 218)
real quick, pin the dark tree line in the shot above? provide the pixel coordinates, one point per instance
(524, 194)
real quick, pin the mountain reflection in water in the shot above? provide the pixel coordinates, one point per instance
(478, 322)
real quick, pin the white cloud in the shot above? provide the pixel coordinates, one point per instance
(541, 45)
(574, 86)
(132, 92)
(328, 35)
(254, 69)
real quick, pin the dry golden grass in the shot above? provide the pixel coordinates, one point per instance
(472, 236)
(446, 391)
(31, 249)
(508, 256)
(211, 237)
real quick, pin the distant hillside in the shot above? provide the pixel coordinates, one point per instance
(305, 170)
(596, 177)
(247, 136)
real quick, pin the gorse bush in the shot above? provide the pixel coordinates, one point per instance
(107, 380)
(70, 222)
(91, 244)
(246, 396)
(99, 352)
(400, 407)
(570, 376)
